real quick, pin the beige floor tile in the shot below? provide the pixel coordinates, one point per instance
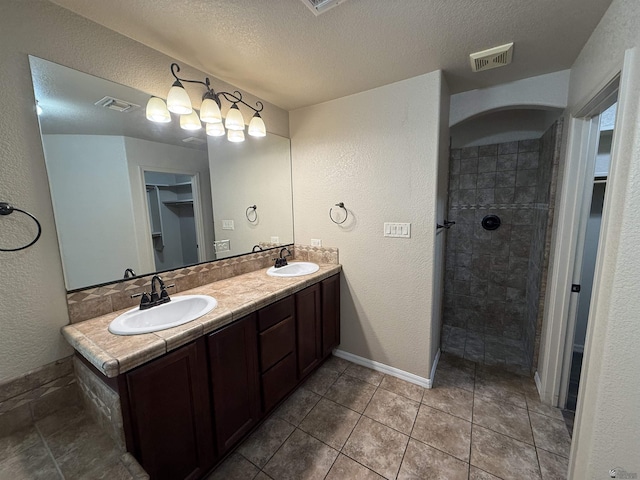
(297, 406)
(72, 437)
(402, 387)
(265, 441)
(426, 463)
(376, 446)
(448, 360)
(330, 422)
(443, 431)
(455, 401)
(13, 444)
(96, 453)
(336, 363)
(503, 456)
(553, 467)
(321, 380)
(115, 471)
(33, 463)
(235, 467)
(550, 434)
(61, 419)
(301, 457)
(500, 389)
(262, 476)
(351, 392)
(476, 474)
(365, 374)
(503, 418)
(535, 405)
(453, 376)
(347, 469)
(392, 410)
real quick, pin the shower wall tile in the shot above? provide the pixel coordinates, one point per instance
(488, 150)
(509, 147)
(506, 162)
(487, 164)
(469, 152)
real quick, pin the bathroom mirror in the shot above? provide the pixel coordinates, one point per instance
(131, 193)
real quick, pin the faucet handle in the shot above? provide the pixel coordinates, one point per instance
(164, 295)
(145, 300)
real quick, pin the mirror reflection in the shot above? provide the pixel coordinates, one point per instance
(132, 194)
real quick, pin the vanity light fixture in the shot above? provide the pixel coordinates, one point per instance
(178, 102)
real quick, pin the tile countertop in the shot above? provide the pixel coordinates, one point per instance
(237, 297)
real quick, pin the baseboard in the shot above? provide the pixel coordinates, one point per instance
(536, 378)
(381, 367)
(432, 378)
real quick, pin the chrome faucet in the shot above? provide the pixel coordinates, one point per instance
(282, 261)
(154, 298)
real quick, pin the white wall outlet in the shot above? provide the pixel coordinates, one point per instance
(397, 230)
(227, 225)
(222, 246)
(275, 239)
(316, 242)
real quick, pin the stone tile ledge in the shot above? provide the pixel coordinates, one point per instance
(237, 297)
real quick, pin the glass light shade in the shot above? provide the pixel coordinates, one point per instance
(178, 100)
(235, 136)
(157, 111)
(234, 120)
(215, 129)
(190, 121)
(256, 127)
(210, 112)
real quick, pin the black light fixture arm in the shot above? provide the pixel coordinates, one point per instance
(234, 98)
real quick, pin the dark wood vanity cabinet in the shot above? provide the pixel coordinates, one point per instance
(167, 416)
(233, 371)
(185, 410)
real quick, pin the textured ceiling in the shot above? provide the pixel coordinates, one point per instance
(280, 51)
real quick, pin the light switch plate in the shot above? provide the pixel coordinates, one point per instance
(227, 225)
(397, 230)
(316, 242)
(275, 239)
(222, 246)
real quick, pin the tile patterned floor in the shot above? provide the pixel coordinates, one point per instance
(64, 445)
(349, 422)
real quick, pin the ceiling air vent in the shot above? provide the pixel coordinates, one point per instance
(321, 6)
(492, 58)
(116, 104)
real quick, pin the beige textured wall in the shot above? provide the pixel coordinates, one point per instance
(376, 151)
(607, 433)
(32, 303)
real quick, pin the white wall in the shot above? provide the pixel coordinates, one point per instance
(33, 305)
(543, 91)
(607, 430)
(254, 172)
(376, 151)
(92, 202)
(161, 157)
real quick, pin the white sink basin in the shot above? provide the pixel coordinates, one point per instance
(178, 311)
(294, 269)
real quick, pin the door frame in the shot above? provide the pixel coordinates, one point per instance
(556, 346)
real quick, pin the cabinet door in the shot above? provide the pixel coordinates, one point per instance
(330, 314)
(233, 364)
(309, 329)
(166, 410)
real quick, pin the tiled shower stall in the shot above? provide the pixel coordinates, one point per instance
(495, 279)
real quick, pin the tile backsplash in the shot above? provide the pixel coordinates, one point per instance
(96, 301)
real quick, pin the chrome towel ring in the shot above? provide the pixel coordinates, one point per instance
(346, 213)
(251, 209)
(6, 209)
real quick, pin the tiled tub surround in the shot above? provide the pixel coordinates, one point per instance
(237, 297)
(492, 284)
(350, 422)
(93, 302)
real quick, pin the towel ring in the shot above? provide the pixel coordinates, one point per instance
(346, 213)
(6, 209)
(248, 213)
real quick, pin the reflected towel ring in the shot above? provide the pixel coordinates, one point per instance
(248, 213)
(346, 213)
(6, 209)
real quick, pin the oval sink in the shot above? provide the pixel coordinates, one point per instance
(178, 311)
(295, 269)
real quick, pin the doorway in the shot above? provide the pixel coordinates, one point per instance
(586, 260)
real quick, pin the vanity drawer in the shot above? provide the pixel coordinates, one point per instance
(276, 343)
(275, 313)
(278, 381)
